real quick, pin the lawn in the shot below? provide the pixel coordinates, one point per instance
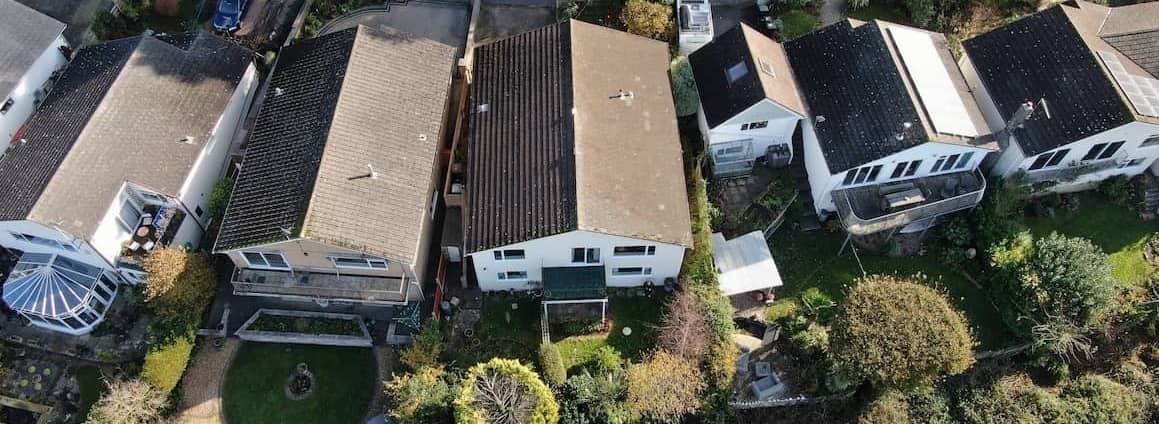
(810, 260)
(504, 333)
(255, 384)
(91, 387)
(798, 23)
(880, 10)
(641, 314)
(1117, 230)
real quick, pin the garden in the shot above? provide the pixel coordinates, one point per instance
(162, 16)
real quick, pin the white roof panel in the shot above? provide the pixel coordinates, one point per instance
(744, 264)
(1142, 91)
(932, 80)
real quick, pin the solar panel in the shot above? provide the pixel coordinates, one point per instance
(932, 80)
(1141, 91)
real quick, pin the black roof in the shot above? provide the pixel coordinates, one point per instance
(285, 148)
(721, 100)
(848, 76)
(26, 168)
(1044, 56)
(521, 174)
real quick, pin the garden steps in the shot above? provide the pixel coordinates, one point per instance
(1148, 187)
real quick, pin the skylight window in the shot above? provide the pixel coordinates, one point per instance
(736, 72)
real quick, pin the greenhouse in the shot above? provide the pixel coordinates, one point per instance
(59, 293)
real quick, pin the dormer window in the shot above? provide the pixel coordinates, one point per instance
(766, 67)
(736, 72)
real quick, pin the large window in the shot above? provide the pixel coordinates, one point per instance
(273, 260)
(589, 255)
(1111, 150)
(359, 262)
(865, 174)
(1048, 159)
(736, 72)
(509, 255)
(946, 163)
(129, 216)
(43, 241)
(631, 270)
(1150, 141)
(634, 251)
(513, 275)
(965, 160)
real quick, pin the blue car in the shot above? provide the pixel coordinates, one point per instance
(228, 15)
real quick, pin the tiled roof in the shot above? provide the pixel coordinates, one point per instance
(855, 93)
(349, 99)
(1141, 47)
(721, 100)
(24, 35)
(1134, 31)
(1044, 56)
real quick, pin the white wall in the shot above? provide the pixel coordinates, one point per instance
(556, 251)
(782, 123)
(84, 252)
(1132, 134)
(25, 91)
(816, 168)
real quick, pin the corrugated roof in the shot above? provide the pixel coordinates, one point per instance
(24, 35)
(744, 264)
(722, 100)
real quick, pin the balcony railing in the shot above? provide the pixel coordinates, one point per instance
(320, 285)
(865, 210)
(1073, 170)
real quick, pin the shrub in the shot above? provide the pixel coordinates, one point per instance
(551, 364)
(716, 309)
(781, 309)
(813, 340)
(683, 330)
(424, 351)
(502, 391)
(1118, 190)
(128, 402)
(931, 406)
(219, 198)
(720, 365)
(647, 19)
(422, 397)
(1010, 399)
(664, 388)
(889, 408)
(593, 399)
(817, 305)
(1097, 399)
(896, 332)
(684, 87)
(165, 364)
(180, 286)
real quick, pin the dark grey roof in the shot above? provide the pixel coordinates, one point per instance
(848, 76)
(24, 35)
(1044, 56)
(352, 98)
(1141, 47)
(721, 100)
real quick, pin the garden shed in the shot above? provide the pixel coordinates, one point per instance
(744, 264)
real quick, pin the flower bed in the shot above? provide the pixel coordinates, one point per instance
(320, 328)
(306, 325)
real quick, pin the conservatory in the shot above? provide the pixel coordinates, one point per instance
(59, 293)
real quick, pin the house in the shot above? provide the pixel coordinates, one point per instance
(32, 50)
(894, 137)
(744, 264)
(121, 157)
(694, 25)
(749, 102)
(337, 193)
(1075, 89)
(575, 180)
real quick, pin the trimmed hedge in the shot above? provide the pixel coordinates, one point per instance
(165, 364)
(551, 364)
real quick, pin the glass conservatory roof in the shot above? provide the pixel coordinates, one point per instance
(49, 285)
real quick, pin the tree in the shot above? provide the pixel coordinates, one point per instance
(889, 408)
(647, 19)
(180, 284)
(683, 330)
(422, 397)
(684, 87)
(503, 391)
(128, 402)
(594, 398)
(551, 363)
(426, 347)
(895, 332)
(664, 388)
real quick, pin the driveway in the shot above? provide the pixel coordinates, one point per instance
(77, 14)
(499, 19)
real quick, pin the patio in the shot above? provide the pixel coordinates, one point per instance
(874, 208)
(324, 285)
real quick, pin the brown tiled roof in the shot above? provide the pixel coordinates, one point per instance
(24, 35)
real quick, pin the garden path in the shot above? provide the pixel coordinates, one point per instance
(201, 387)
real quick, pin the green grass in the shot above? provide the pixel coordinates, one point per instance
(641, 314)
(798, 23)
(91, 387)
(254, 384)
(504, 333)
(1118, 231)
(880, 10)
(810, 260)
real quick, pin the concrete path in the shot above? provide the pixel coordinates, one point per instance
(833, 11)
(204, 381)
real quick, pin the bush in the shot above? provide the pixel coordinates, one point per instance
(180, 286)
(664, 388)
(128, 402)
(897, 333)
(1010, 399)
(219, 198)
(647, 19)
(781, 309)
(608, 359)
(165, 364)
(720, 366)
(813, 340)
(593, 399)
(1118, 190)
(932, 406)
(716, 308)
(551, 364)
(889, 408)
(817, 305)
(684, 87)
(422, 397)
(424, 351)
(1097, 399)
(683, 330)
(503, 390)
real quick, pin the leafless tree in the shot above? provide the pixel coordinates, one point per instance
(502, 399)
(128, 402)
(683, 330)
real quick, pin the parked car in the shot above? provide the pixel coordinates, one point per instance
(228, 15)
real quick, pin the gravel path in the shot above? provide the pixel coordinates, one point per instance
(203, 382)
(832, 11)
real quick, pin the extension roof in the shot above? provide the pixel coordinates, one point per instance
(336, 104)
(554, 146)
(722, 100)
(1052, 55)
(117, 114)
(24, 35)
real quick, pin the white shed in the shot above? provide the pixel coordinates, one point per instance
(744, 264)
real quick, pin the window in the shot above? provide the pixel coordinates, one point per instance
(632, 270)
(1040, 161)
(129, 216)
(1111, 150)
(938, 164)
(913, 168)
(865, 174)
(198, 211)
(1150, 141)
(898, 170)
(363, 263)
(509, 255)
(513, 275)
(1133, 162)
(7, 105)
(43, 241)
(1049, 159)
(849, 177)
(965, 160)
(1094, 151)
(1058, 156)
(766, 67)
(754, 125)
(950, 162)
(634, 251)
(736, 72)
(266, 260)
(873, 173)
(862, 174)
(589, 255)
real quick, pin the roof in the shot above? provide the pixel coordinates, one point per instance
(744, 264)
(50, 285)
(1134, 31)
(24, 35)
(350, 101)
(118, 114)
(856, 94)
(722, 100)
(1012, 61)
(546, 150)
(574, 282)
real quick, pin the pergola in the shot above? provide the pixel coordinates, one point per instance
(59, 293)
(571, 285)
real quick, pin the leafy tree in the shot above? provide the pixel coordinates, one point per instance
(128, 402)
(422, 397)
(897, 333)
(1010, 399)
(889, 408)
(180, 285)
(551, 363)
(503, 391)
(647, 19)
(684, 87)
(683, 330)
(597, 398)
(664, 388)
(425, 349)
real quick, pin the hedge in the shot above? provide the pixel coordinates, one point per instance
(551, 364)
(165, 364)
